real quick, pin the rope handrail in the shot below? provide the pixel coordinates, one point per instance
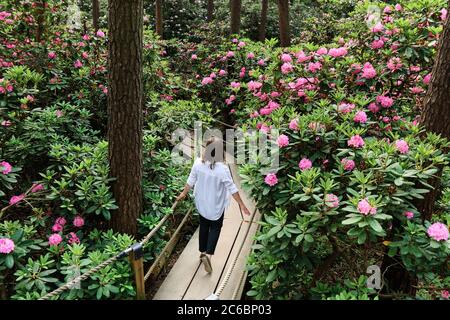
(87, 274)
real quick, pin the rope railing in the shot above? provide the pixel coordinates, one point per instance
(134, 251)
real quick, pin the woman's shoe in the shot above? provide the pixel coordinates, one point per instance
(206, 262)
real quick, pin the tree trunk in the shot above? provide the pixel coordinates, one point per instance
(95, 14)
(159, 18)
(210, 8)
(436, 111)
(40, 12)
(125, 94)
(436, 118)
(263, 22)
(235, 6)
(283, 12)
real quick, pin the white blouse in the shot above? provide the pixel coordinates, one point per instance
(212, 188)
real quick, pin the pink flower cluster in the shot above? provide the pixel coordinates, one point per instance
(293, 125)
(5, 167)
(438, 231)
(6, 245)
(368, 71)
(360, 117)
(408, 214)
(331, 200)
(385, 101)
(355, 141)
(54, 239)
(345, 107)
(365, 208)
(305, 164)
(348, 164)
(271, 179)
(338, 52)
(402, 146)
(283, 141)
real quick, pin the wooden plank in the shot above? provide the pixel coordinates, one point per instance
(203, 283)
(239, 270)
(182, 273)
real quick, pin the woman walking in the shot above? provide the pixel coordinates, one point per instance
(213, 185)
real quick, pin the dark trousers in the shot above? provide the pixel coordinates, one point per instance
(209, 234)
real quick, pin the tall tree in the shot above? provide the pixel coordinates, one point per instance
(159, 18)
(40, 20)
(210, 10)
(235, 7)
(95, 14)
(283, 13)
(125, 100)
(435, 117)
(263, 20)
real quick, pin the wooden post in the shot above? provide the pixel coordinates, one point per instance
(137, 264)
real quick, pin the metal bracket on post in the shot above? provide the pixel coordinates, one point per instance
(137, 262)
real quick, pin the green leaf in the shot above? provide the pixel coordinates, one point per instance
(375, 225)
(352, 220)
(362, 238)
(9, 261)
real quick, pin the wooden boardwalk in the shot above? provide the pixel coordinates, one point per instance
(189, 281)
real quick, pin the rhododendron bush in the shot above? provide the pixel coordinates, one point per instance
(343, 110)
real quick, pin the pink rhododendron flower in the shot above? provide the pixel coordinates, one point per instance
(6, 245)
(302, 57)
(16, 199)
(73, 238)
(254, 85)
(194, 57)
(398, 7)
(230, 99)
(402, 146)
(356, 141)
(271, 179)
(427, 79)
(286, 68)
(6, 123)
(235, 84)
(368, 71)
(337, 52)
(86, 37)
(261, 62)
(54, 239)
(5, 167)
(59, 113)
(37, 187)
(377, 44)
(331, 200)
(78, 64)
(286, 58)
(51, 55)
(61, 221)
(283, 141)
(242, 73)
(443, 14)
(365, 208)
(322, 51)
(345, 107)
(373, 107)
(305, 164)
(408, 214)
(394, 64)
(250, 55)
(438, 231)
(230, 54)
(222, 72)
(241, 44)
(78, 221)
(314, 66)
(385, 101)
(377, 28)
(360, 117)
(293, 125)
(207, 80)
(417, 90)
(348, 164)
(445, 294)
(100, 34)
(387, 10)
(57, 228)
